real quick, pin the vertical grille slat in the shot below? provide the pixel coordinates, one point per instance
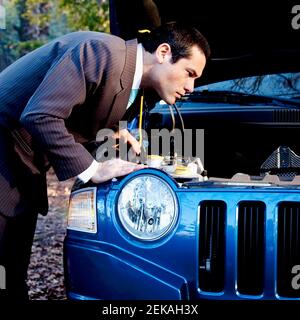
(288, 254)
(212, 246)
(286, 115)
(251, 220)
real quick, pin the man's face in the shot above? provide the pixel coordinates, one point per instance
(173, 80)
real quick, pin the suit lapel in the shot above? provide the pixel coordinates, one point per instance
(121, 98)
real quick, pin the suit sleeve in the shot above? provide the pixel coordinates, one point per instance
(63, 88)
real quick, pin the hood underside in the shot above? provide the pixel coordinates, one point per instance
(246, 37)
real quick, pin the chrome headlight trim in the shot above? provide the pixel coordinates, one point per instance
(147, 218)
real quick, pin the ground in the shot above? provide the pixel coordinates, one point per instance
(45, 274)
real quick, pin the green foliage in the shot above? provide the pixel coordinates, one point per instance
(38, 13)
(86, 14)
(31, 23)
(29, 45)
(8, 37)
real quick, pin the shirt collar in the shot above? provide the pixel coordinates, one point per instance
(138, 67)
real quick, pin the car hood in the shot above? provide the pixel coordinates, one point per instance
(246, 37)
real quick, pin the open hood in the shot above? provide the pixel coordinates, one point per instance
(246, 37)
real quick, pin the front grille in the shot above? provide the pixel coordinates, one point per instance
(286, 115)
(260, 271)
(212, 246)
(250, 266)
(288, 254)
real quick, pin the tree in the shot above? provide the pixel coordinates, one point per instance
(31, 23)
(34, 19)
(86, 14)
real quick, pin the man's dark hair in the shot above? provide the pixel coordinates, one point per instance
(180, 38)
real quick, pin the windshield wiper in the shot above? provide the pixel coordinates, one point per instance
(234, 97)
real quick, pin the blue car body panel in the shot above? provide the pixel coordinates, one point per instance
(114, 265)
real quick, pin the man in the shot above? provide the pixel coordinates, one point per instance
(59, 96)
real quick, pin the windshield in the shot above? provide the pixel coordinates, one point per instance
(284, 85)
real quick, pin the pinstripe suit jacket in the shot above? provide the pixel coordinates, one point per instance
(52, 100)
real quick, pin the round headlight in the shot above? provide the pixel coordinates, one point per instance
(147, 207)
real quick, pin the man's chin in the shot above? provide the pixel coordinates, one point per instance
(170, 100)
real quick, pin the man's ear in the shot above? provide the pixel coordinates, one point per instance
(163, 52)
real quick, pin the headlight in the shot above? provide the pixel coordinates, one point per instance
(82, 211)
(147, 207)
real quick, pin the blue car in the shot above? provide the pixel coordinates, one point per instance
(224, 222)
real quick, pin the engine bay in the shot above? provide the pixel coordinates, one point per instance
(235, 152)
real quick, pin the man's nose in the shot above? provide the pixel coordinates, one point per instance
(189, 86)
